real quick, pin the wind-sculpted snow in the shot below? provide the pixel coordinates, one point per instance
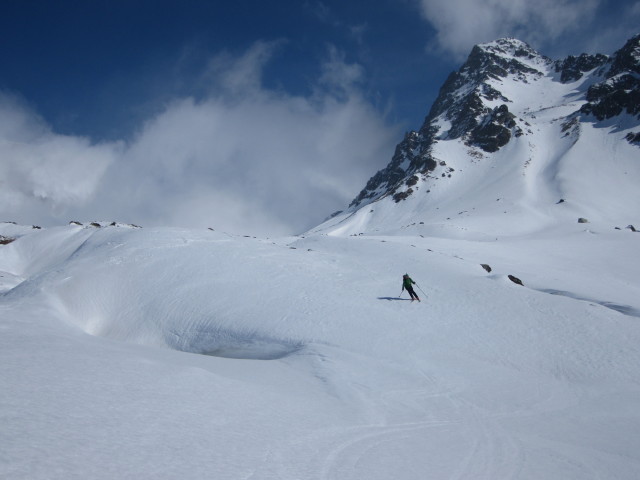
(171, 353)
(175, 292)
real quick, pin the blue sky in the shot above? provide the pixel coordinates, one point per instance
(98, 67)
(251, 115)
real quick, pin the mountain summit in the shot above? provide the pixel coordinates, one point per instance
(515, 133)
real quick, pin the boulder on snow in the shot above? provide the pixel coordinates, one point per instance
(515, 280)
(412, 181)
(632, 228)
(633, 138)
(583, 220)
(486, 267)
(398, 197)
(6, 240)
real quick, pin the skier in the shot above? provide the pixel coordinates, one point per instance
(406, 283)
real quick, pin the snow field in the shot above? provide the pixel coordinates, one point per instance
(237, 357)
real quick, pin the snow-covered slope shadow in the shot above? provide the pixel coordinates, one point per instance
(624, 309)
(394, 298)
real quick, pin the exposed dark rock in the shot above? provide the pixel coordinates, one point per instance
(620, 90)
(402, 195)
(583, 220)
(571, 126)
(572, 68)
(6, 240)
(515, 280)
(613, 97)
(486, 267)
(415, 152)
(627, 59)
(411, 181)
(495, 130)
(633, 137)
(632, 228)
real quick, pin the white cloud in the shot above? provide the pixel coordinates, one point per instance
(241, 75)
(42, 173)
(460, 24)
(339, 76)
(244, 159)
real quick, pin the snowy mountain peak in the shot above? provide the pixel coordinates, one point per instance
(619, 92)
(471, 105)
(513, 125)
(501, 58)
(627, 59)
(511, 48)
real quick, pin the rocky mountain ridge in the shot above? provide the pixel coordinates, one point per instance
(490, 101)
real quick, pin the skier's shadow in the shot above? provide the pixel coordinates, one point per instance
(394, 298)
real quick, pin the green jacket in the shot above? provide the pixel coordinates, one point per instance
(406, 282)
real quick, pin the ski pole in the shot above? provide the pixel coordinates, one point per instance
(421, 289)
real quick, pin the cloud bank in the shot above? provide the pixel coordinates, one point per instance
(242, 158)
(460, 24)
(42, 170)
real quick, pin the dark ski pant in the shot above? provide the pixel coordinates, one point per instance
(413, 294)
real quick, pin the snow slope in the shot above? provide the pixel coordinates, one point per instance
(166, 353)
